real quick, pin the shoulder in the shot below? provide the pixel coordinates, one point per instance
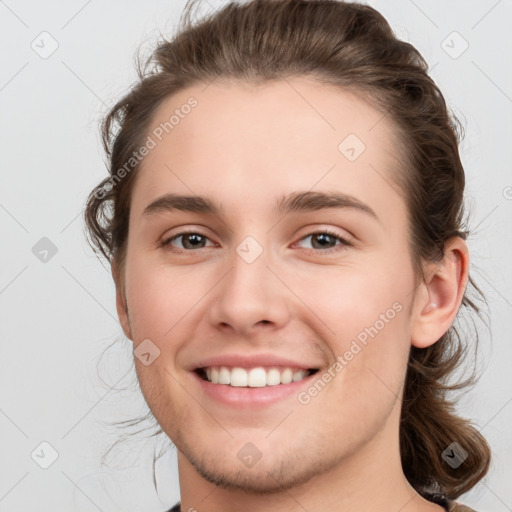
(449, 504)
(454, 506)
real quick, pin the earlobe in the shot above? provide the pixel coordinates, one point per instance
(121, 305)
(439, 297)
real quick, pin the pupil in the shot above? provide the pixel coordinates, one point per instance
(322, 236)
(192, 236)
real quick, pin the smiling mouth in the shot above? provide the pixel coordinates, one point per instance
(256, 377)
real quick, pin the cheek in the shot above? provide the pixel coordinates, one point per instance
(347, 299)
(366, 380)
(365, 311)
(163, 394)
(159, 296)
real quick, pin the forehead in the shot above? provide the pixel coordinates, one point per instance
(236, 141)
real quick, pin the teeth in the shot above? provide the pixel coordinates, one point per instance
(273, 377)
(224, 375)
(299, 375)
(286, 376)
(238, 377)
(255, 377)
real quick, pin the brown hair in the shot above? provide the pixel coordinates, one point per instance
(351, 46)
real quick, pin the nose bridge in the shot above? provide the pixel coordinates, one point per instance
(250, 293)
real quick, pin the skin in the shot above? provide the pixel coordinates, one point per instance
(244, 147)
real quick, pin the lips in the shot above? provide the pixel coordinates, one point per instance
(242, 397)
(253, 371)
(264, 360)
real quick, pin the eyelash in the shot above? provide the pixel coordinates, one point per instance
(344, 241)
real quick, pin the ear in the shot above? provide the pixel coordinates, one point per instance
(121, 305)
(439, 296)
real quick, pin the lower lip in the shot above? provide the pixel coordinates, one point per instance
(251, 398)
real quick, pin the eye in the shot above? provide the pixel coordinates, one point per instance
(190, 240)
(325, 240)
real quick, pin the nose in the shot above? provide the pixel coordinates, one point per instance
(250, 297)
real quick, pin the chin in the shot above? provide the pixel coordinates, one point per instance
(281, 473)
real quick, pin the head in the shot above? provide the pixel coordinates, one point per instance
(314, 165)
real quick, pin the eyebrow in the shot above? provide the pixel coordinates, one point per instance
(295, 202)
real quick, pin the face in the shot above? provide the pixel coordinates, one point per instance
(294, 266)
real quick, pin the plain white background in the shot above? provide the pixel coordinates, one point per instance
(58, 315)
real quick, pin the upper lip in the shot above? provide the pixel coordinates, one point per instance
(252, 361)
